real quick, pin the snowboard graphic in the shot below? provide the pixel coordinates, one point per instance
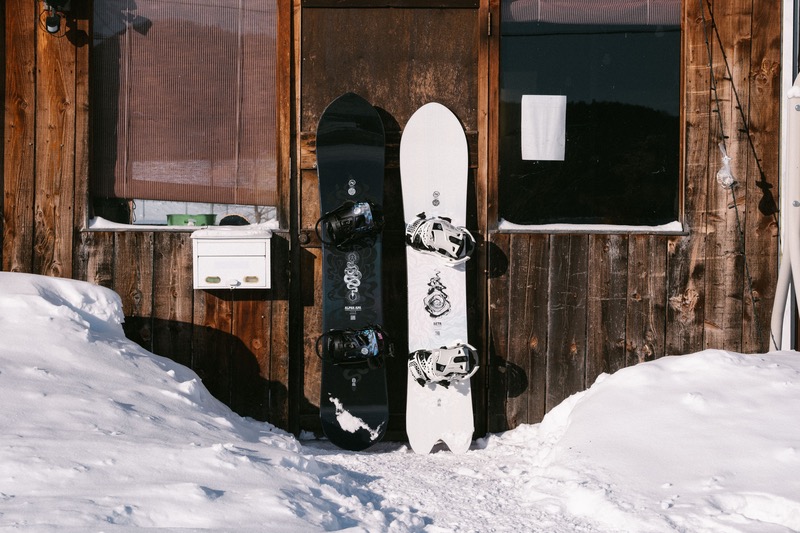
(434, 172)
(350, 165)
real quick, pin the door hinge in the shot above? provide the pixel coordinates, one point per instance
(489, 23)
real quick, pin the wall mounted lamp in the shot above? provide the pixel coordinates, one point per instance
(54, 10)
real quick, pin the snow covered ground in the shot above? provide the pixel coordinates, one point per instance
(97, 434)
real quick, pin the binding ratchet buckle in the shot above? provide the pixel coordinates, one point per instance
(369, 345)
(350, 222)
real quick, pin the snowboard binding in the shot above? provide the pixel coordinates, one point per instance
(369, 345)
(350, 222)
(443, 365)
(438, 236)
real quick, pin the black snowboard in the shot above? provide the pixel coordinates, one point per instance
(350, 165)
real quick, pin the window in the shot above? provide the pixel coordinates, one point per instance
(615, 68)
(183, 103)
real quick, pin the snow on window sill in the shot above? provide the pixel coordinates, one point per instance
(671, 228)
(101, 224)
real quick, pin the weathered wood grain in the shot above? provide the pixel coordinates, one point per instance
(404, 58)
(686, 254)
(763, 172)
(538, 337)
(481, 259)
(81, 215)
(213, 345)
(312, 328)
(275, 364)
(250, 387)
(607, 305)
(646, 313)
(566, 333)
(500, 371)
(54, 178)
(94, 259)
(524, 343)
(173, 297)
(19, 135)
(730, 48)
(133, 265)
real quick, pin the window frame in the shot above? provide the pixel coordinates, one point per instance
(494, 223)
(283, 105)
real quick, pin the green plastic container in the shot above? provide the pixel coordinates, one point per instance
(191, 220)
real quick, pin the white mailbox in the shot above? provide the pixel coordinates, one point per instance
(232, 257)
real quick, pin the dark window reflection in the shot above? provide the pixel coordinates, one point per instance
(622, 85)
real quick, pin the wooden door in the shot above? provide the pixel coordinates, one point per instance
(398, 59)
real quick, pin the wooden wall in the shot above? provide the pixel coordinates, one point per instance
(564, 308)
(45, 133)
(549, 311)
(237, 341)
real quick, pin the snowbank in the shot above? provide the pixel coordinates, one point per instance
(98, 434)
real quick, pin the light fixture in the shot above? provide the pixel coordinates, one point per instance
(52, 22)
(53, 11)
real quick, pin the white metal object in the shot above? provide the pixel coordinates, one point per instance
(789, 273)
(231, 260)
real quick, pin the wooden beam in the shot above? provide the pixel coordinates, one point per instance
(170, 255)
(763, 176)
(566, 332)
(20, 135)
(646, 319)
(607, 304)
(54, 177)
(498, 365)
(686, 254)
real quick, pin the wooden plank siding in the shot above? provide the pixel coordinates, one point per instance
(3, 122)
(685, 266)
(762, 175)
(20, 134)
(567, 280)
(617, 300)
(237, 341)
(550, 312)
(607, 305)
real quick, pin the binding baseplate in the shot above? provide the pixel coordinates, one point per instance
(443, 365)
(369, 344)
(438, 236)
(351, 221)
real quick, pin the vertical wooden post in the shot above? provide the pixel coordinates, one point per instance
(19, 129)
(54, 190)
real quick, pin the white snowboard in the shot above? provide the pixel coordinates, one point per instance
(434, 171)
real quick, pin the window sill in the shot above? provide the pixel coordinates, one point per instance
(101, 224)
(672, 228)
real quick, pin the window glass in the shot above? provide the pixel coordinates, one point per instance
(618, 66)
(183, 101)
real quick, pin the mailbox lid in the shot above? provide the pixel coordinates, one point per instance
(231, 247)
